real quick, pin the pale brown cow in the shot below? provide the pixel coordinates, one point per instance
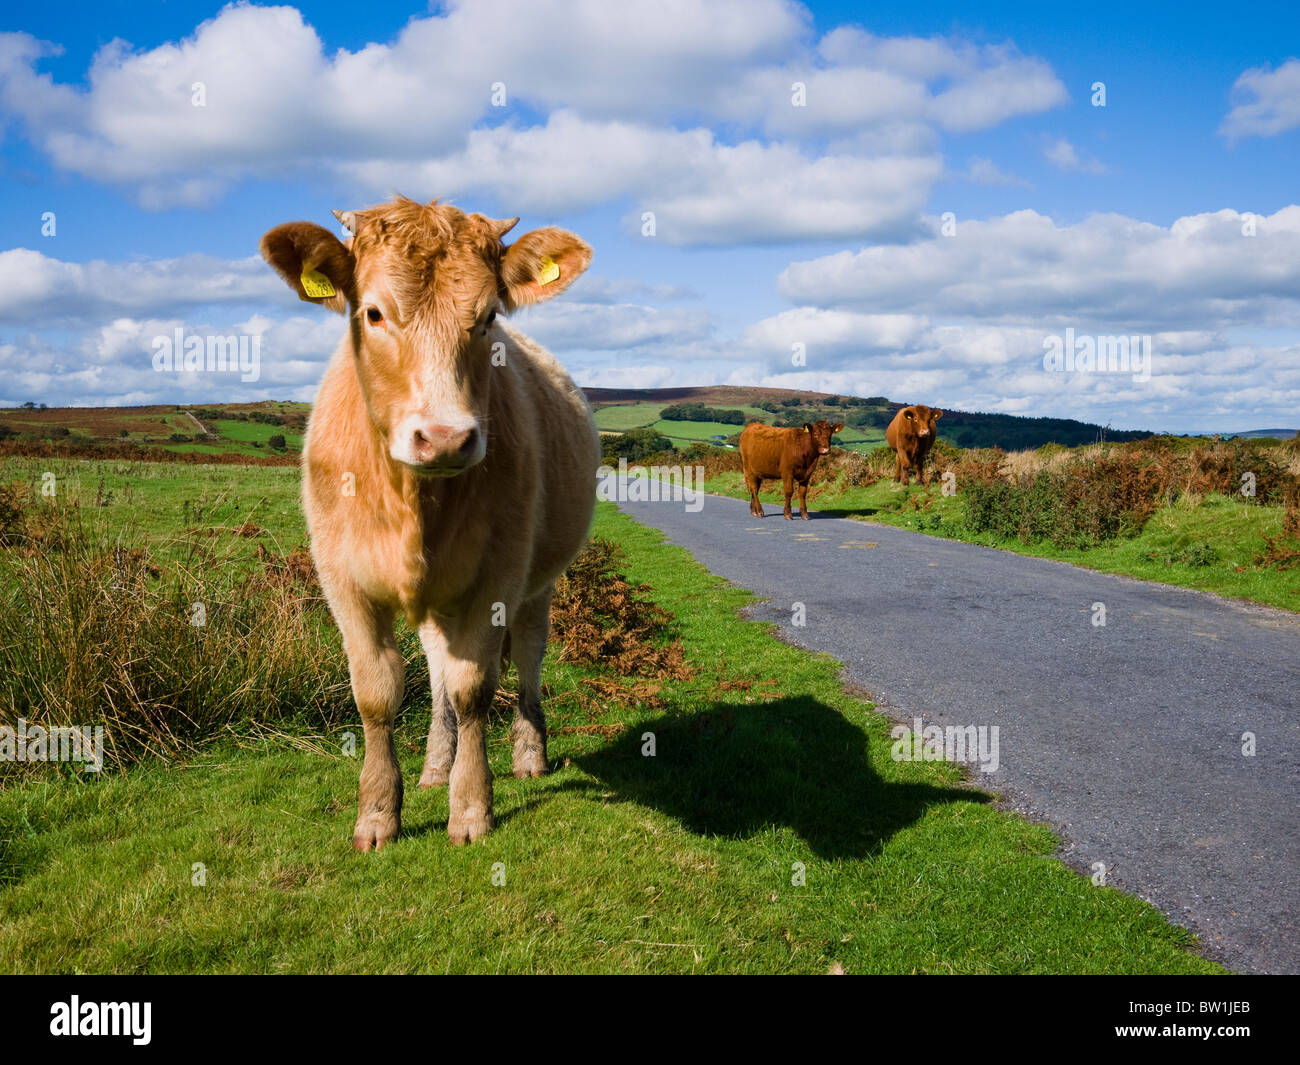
(448, 475)
(912, 434)
(767, 451)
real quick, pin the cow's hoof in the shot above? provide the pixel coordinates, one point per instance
(375, 831)
(805, 516)
(434, 777)
(469, 824)
(530, 766)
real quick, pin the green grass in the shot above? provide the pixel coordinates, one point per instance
(161, 499)
(690, 431)
(1164, 551)
(617, 862)
(624, 416)
(248, 432)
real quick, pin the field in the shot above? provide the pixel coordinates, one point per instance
(622, 417)
(223, 429)
(769, 832)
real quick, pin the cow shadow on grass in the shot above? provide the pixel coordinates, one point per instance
(736, 769)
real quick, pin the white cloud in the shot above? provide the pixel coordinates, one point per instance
(701, 192)
(1065, 156)
(1267, 102)
(112, 364)
(38, 290)
(982, 86)
(632, 100)
(984, 171)
(1200, 273)
(829, 333)
(645, 375)
(566, 324)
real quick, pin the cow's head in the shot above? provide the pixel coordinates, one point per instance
(922, 419)
(422, 285)
(821, 434)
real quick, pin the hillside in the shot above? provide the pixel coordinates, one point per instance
(619, 410)
(223, 430)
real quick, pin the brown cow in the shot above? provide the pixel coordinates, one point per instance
(911, 434)
(448, 476)
(791, 454)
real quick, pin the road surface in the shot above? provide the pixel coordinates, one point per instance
(1127, 737)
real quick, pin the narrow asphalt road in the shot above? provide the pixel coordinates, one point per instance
(1127, 737)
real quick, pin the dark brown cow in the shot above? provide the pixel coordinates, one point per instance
(911, 434)
(791, 454)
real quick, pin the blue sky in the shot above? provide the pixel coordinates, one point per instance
(1170, 212)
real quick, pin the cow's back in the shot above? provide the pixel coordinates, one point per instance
(761, 447)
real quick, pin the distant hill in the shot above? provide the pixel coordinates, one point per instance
(1276, 434)
(268, 431)
(622, 409)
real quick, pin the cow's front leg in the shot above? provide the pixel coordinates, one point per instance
(440, 751)
(787, 482)
(470, 671)
(803, 500)
(375, 666)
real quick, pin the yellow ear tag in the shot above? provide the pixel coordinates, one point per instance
(316, 284)
(549, 272)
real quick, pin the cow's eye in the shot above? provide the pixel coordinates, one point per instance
(373, 316)
(490, 319)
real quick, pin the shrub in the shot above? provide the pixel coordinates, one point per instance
(599, 618)
(92, 633)
(634, 445)
(13, 512)
(1079, 507)
(1283, 550)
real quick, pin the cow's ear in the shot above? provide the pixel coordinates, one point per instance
(938, 414)
(542, 264)
(807, 427)
(836, 428)
(313, 262)
(907, 413)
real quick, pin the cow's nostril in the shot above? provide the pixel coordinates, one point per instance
(423, 446)
(443, 445)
